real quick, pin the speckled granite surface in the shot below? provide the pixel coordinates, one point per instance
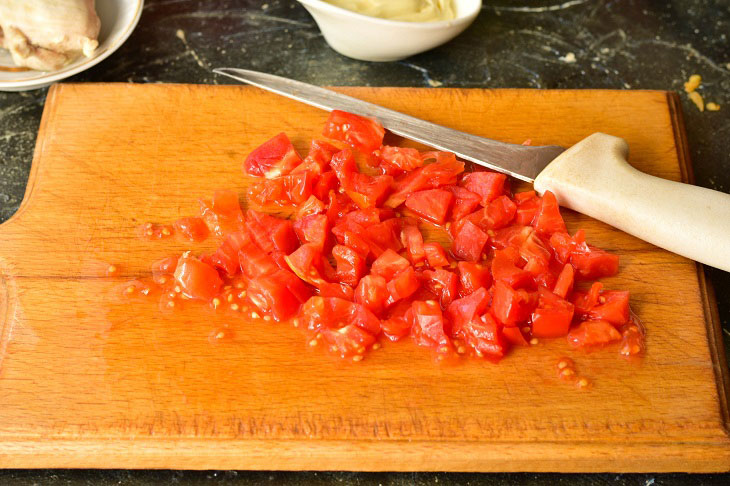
(621, 44)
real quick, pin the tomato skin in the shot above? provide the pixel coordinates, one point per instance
(350, 265)
(193, 229)
(431, 204)
(473, 276)
(489, 185)
(469, 242)
(552, 317)
(548, 219)
(514, 336)
(593, 333)
(362, 133)
(435, 254)
(274, 158)
(197, 279)
(429, 325)
(372, 292)
(512, 307)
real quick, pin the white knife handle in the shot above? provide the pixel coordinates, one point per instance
(594, 178)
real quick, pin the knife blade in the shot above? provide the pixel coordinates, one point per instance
(521, 161)
(592, 177)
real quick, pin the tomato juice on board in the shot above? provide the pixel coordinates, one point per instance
(352, 267)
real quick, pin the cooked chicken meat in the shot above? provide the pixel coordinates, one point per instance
(47, 34)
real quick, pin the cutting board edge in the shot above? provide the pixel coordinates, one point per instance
(374, 456)
(715, 339)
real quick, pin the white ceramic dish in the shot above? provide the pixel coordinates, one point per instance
(118, 20)
(374, 39)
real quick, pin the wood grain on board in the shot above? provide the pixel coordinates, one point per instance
(89, 381)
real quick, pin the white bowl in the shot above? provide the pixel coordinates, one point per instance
(118, 20)
(375, 39)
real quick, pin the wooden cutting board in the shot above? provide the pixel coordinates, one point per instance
(88, 381)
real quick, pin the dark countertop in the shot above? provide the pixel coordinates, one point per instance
(621, 44)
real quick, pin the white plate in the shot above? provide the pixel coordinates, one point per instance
(118, 20)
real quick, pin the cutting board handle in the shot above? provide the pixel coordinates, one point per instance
(593, 177)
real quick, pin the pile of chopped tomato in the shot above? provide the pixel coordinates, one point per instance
(351, 265)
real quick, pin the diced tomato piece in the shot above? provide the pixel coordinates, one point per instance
(564, 284)
(412, 239)
(388, 264)
(357, 243)
(306, 263)
(553, 315)
(593, 333)
(288, 190)
(473, 276)
(271, 233)
(383, 236)
(197, 279)
(431, 204)
(585, 301)
(489, 185)
(223, 214)
(362, 133)
(319, 156)
(363, 217)
(274, 158)
(402, 286)
(313, 229)
(613, 306)
(255, 262)
(443, 283)
(512, 307)
(166, 266)
(435, 254)
(193, 229)
(272, 295)
(348, 341)
(372, 292)
(540, 271)
(325, 183)
(465, 202)
(310, 206)
(469, 242)
(339, 206)
(334, 313)
(505, 269)
(595, 263)
(394, 160)
(514, 336)
(485, 337)
(465, 309)
(226, 257)
(399, 321)
(527, 205)
(350, 265)
(429, 326)
(525, 239)
(548, 219)
(500, 212)
(369, 191)
(441, 173)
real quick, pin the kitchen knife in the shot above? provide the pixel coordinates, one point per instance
(592, 177)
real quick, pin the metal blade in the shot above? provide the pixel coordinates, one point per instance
(520, 161)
